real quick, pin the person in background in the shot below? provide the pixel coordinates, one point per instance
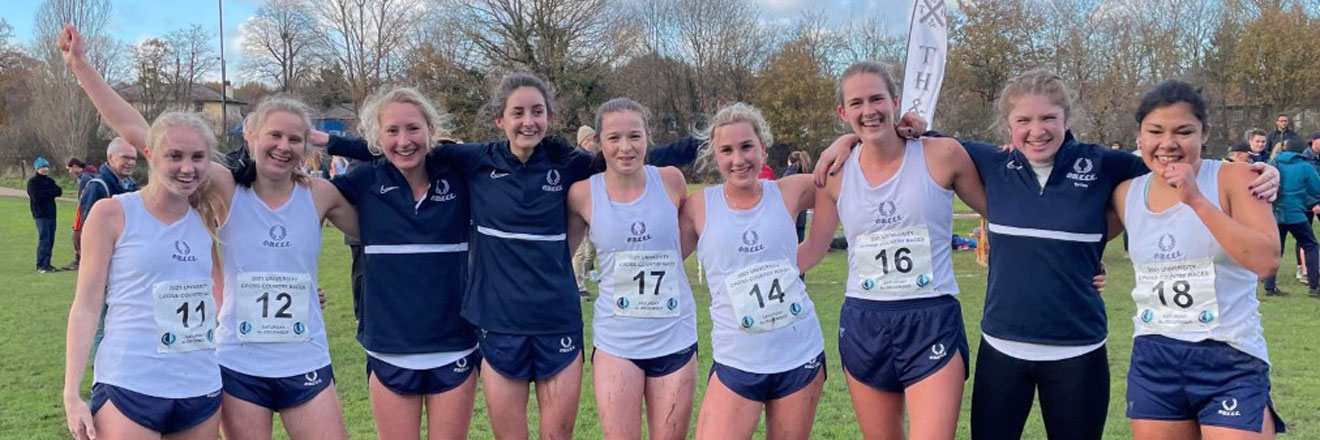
(1298, 191)
(1256, 140)
(584, 258)
(1282, 132)
(767, 173)
(82, 173)
(1116, 146)
(1239, 153)
(799, 162)
(42, 192)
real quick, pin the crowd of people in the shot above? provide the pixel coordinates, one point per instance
(205, 278)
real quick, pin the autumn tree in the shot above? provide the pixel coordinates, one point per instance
(797, 97)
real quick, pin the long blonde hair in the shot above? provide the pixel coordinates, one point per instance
(207, 199)
(286, 104)
(732, 114)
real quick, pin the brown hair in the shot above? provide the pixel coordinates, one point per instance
(803, 159)
(861, 68)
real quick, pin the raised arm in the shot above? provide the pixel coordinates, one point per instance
(118, 113)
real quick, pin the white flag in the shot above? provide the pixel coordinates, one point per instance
(928, 46)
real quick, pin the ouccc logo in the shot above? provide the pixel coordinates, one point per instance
(461, 365)
(1229, 407)
(182, 252)
(888, 211)
(311, 379)
(566, 344)
(552, 181)
(1168, 248)
(1082, 172)
(938, 351)
(277, 234)
(751, 242)
(442, 191)
(638, 229)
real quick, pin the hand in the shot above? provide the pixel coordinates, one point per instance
(70, 44)
(1099, 281)
(79, 419)
(320, 296)
(1181, 177)
(833, 158)
(1315, 209)
(1266, 186)
(318, 138)
(911, 125)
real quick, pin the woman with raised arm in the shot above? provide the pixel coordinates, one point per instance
(644, 329)
(271, 339)
(1200, 240)
(767, 345)
(147, 256)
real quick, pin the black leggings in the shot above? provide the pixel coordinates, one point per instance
(1074, 395)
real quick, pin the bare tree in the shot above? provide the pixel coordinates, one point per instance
(281, 43)
(365, 38)
(191, 57)
(62, 116)
(725, 43)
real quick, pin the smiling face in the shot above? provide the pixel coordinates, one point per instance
(404, 135)
(525, 118)
(738, 153)
(1036, 126)
(623, 141)
(1172, 134)
(181, 161)
(279, 144)
(1257, 143)
(868, 107)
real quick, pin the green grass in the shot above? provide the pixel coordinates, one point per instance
(32, 324)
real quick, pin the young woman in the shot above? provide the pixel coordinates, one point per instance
(414, 216)
(271, 340)
(147, 255)
(644, 334)
(1199, 368)
(901, 336)
(765, 337)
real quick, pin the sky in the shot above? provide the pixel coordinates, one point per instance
(135, 20)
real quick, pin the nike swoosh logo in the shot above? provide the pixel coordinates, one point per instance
(385, 189)
(495, 175)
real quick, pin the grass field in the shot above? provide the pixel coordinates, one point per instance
(32, 323)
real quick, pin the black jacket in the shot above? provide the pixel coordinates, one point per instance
(42, 192)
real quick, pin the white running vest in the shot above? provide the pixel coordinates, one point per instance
(899, 232)
(1187, 288)
(270, 321)
(645, 308)
(160, 321)
(761, 317)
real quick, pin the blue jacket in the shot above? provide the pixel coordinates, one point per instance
(1299, 188)
(104, 184)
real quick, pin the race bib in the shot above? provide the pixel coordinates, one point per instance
(272, 306)
(646, 284)
(766, 296)
(894, 263)
(185, 315)
(1177, 296)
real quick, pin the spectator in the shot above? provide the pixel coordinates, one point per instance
(42, 192)
(82, 173)
(1280, 134)
(584, 259)
(1311, 154)
(766, 172)
(1239, 153)
(799, 162)
(1256, 140)
(1116, 146)
(1299, 189)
